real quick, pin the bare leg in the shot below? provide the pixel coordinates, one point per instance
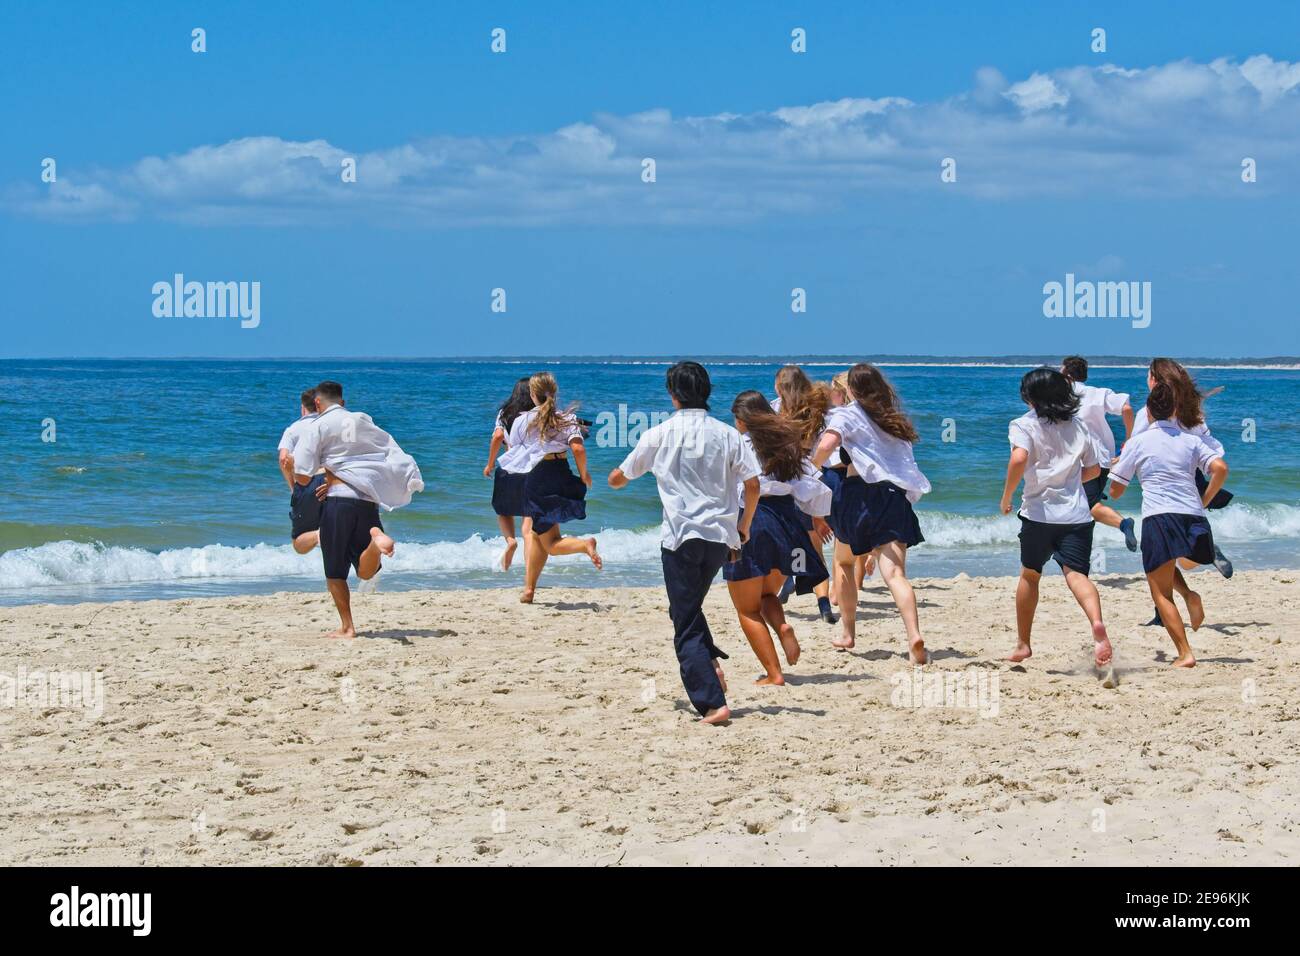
(306, 541)
(1085, 592)
(338, 588)
(554, 544)
(1161, 581)
(747, 596)
(774, 614)
(866, 567)
(847, 586)
(368, 564)
(1195, 608)
(893, 570)
(1026, 605)
(1105, 514)
(507, 525)
(535, 555)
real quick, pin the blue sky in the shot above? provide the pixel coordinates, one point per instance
(521, 170)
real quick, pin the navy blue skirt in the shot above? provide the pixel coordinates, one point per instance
(508, 493)
(1169, 536)
(832, 478)
(778, 543)
(553, 494)
(866, 516)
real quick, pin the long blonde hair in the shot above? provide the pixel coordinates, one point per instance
(549, 421)
(840, 384)
(803, 402)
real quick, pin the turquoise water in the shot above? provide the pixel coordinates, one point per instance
(162, 478)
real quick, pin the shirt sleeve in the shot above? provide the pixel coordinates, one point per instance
(306, 459)
(640, 459)
(744, 463)
(286, 442)
(1114, 402)
(1206, 452)
(1125, 468)
(1019, 436)
(1202, 431)
(1090, 456)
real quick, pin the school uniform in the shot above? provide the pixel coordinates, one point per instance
(874, 506)
(778, 539)
(304, 509)
(551, 493)
(507, 488)
(1055, 516)
(1165, 458)
(1222, 498)
(1094, 405)
(699, 464)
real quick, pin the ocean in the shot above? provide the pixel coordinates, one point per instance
(157, 479)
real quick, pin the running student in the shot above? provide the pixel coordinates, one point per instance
(833, 473)
(1094, 405)
(539, 445)
(508, 489)
(872, 512)
(805, 404)
(778, 548)
(1053, 451)
(304, 508)
(1165, 458)
(366, 470)
(700, 465)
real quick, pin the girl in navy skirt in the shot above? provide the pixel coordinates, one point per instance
(872, 512)
(508, 489)
(540, 442)
(1165, 459)
(804, 404)
(833, 472)
(778, 546)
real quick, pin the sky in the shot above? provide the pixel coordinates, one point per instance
(524, 171)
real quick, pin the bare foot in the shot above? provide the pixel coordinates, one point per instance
(842, 643)
(768, 680)
(1188, 661)
(345, 633)
(508, 554)
(1195, 610)
(591, 553)
(1101, 649)
(917, 654)
(722, 678)
(383, 541)
(526, 597)
(1022, 652)
(790, 645)
(719, 715)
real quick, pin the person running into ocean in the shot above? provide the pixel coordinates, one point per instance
(778, 549)
(1165, 458)
(1053, 451)
(366, 470)
(1095, 404)
(701, 466)
(508, 489)
(304, 507)
(539, 444)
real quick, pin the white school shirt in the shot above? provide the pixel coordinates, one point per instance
(810, 493)
(1058, 453)
(1094, 405)
(700, 465)
(1165, 459)
(1142, 421)
(875, 454)
(293, 434)
(525, 446)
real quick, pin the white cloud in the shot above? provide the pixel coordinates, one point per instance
(1179, 129)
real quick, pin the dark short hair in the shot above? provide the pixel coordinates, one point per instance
(1162, 402)
(309, 398)
(1075, 368)
(329, 391)
(689, 383)
(1049, 394)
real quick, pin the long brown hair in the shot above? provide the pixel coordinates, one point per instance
(776, 439)
(872, 391)
(1187, 397)
(803, 402)
(550, 421)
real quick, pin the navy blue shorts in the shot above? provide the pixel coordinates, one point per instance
(553, 494)
(1070, 545)
(1169, 536)
(304, 509)
(865, 516)
(777, 543)
(1095, 489)
(345, 525)
(508, 493)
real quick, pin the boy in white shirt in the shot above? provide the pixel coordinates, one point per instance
(700, 464)
(304, 508)
(1054, 454)
(1094, 405)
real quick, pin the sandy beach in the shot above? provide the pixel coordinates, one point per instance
(462, 727)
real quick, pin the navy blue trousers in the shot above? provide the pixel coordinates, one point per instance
(688, 573)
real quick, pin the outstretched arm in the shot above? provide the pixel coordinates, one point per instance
(617, 479)
(828, 443)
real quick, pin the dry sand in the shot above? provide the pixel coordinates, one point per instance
(465, 728)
